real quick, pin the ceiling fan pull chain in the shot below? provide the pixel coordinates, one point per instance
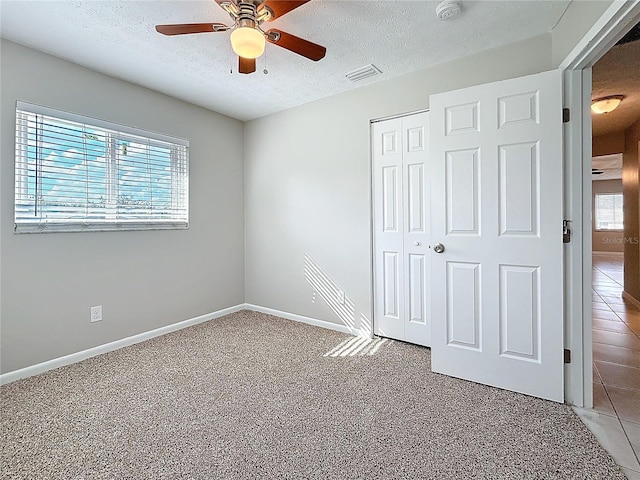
(265, 71)
(232, 59)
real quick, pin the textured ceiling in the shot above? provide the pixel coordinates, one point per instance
(118, 38)
(617, 73)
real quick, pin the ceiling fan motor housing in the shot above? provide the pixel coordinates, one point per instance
(247, 14)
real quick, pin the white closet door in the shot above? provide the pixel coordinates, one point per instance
(401, 229)
(388, 229)
(416, 233)
(497, 303)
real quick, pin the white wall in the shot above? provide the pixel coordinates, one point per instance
(307, 182)
(143, 280)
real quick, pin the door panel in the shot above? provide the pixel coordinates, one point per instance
(519, 189)
(390, 199)
(463, 305)
(416, 191)
(519, 313)
(496, 179)
(417, 288)
(462, 181)
(391, 281)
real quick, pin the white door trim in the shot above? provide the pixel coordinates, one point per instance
(576, 68)
(398, 115)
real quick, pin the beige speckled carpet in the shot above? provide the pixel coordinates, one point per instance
(254, 396)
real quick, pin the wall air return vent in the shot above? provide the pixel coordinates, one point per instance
(363, 72)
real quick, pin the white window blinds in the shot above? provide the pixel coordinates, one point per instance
(74, 173)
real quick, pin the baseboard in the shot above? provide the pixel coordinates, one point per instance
(631, 299)
(111, 346)
(303, 319)
(141, 337)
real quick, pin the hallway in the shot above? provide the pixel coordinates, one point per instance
(615, 419)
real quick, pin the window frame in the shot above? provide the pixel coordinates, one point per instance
(175, 152)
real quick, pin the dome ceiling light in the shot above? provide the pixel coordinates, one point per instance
(606, 104)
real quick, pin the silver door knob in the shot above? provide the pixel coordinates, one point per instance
(417, 244)
(438, 248)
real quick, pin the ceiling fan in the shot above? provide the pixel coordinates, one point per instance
(247, 36)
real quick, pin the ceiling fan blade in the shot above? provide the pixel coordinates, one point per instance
(280, 7)
(297, 45)
(246, 65)
(184, 28)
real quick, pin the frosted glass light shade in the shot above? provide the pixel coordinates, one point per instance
(606, 104)
(247, 42)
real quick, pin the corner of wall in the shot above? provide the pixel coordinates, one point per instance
(245, 126)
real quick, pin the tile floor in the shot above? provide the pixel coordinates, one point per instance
(615, 418)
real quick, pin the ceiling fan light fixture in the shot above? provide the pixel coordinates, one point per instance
(247, 42)
(606, 104)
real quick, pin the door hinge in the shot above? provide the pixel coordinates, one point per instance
(567, 355)
(566, 231)
(566, 115)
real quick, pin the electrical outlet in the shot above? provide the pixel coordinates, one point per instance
(341, 297)
(96, 314)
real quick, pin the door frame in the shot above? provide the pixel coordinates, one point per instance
(576, 69)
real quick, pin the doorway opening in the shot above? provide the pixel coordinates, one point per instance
(615, 230)
(611, 27)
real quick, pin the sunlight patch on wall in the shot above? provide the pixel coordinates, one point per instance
(366, 326)
(327, 289)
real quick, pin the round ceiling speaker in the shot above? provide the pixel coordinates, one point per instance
(448, 9)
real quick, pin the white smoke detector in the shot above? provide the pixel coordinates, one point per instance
(448, 9)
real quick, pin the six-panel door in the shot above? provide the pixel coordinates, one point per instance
(496, 177)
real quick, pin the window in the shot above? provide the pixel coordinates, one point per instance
(74, 173)
(608, 211)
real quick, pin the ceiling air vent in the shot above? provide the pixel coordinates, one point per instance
(363, 72)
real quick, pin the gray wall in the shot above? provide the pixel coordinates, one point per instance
(605, 241)
(143, 280)
(307, 182)
(306, 188)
